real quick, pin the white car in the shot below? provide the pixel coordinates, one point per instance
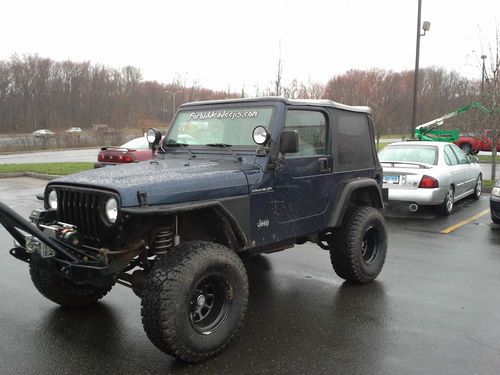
(74, 129)
(429, 173)
(43, 133)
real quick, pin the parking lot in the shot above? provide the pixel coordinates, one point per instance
(433, 309)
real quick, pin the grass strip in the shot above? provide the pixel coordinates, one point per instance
(47, 168)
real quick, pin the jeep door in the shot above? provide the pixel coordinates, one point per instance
(302, 179)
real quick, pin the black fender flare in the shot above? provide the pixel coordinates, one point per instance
(345, 194)
(173, 209)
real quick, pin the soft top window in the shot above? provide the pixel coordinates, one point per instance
(353, 141)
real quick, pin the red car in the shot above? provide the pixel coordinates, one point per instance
(133, 151)
(472, 145)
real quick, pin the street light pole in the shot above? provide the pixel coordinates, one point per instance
(173, 100)
(426, 26)
(483, 57)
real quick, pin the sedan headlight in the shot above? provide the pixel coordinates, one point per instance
(52, 200)
(111, 210)
(495, 191)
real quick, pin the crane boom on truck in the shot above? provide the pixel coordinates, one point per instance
(428, 131)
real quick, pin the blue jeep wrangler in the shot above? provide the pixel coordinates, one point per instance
(230, 177)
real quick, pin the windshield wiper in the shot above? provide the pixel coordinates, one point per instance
(227, 147)
(183, 145)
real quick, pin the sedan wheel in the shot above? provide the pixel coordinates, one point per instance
(478, 188)
(447, 205)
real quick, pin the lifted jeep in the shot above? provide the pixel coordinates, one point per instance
(231, 177)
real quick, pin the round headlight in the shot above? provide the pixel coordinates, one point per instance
(111, 210)
(52, 200)
(260, 135)
(153, 136)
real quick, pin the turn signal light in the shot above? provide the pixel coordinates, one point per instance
(428, 182)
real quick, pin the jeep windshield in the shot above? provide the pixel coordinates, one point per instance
(229, 126)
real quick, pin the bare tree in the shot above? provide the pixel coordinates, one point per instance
(491, 97)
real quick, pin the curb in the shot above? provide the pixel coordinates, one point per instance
(40, 176)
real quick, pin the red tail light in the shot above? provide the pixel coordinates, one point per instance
(127, 158)
(428, 182)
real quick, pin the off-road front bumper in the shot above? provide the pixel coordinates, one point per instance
(36, 246)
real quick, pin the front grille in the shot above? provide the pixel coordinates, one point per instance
(81, 208)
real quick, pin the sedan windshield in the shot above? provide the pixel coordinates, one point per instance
(409, 153)
(140, 143)
(228, 126)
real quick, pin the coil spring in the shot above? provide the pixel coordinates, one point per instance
(163, 241)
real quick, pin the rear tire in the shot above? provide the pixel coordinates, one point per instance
(446, 207)
(62, 291)
(360, 246)
(195, 300)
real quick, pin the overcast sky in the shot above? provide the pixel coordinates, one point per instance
(230, 44)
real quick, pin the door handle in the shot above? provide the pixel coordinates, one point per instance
(323, 165)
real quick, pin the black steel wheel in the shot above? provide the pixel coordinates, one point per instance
(370, 244)
(209, 306)
(195, 300)
(360, 245)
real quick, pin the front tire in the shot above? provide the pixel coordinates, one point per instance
(360, 246)
(62, 291)
(478, 188)
(195, 300)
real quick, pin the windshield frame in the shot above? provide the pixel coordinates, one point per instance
(220, 107)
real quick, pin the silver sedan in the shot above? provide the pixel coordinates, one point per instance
(429, 173)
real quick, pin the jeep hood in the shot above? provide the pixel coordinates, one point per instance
(168, 181)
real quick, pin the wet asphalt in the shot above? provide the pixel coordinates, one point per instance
(434, 309)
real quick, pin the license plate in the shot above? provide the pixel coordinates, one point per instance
(391, 179)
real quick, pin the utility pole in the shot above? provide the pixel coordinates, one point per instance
(426, 26)
(173, 101)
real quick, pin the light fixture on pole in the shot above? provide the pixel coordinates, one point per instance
(173, 99)
(483, 57)
(425, 26)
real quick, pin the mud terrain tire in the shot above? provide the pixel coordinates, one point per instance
(360, 246)
(63, 291)
(195, 300)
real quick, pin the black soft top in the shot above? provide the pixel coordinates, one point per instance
(291, 102)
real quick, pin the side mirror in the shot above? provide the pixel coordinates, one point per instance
(473, 159)
(153, 136)
(289, 142)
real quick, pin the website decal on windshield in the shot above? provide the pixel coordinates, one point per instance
(222, 115)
